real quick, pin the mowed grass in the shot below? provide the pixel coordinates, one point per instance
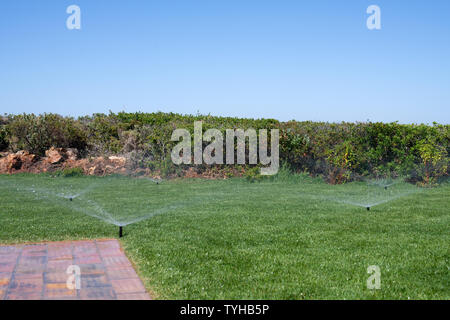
(286, 238)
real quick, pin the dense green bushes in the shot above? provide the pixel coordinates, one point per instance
(36, 134)
(3, 135)
(337, 151)
(343, 151)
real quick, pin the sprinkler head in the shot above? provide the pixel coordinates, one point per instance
(120, 232)
(368, 208)
(385, 187)
(70, 198)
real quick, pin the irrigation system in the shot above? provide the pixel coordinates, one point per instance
(378, 192)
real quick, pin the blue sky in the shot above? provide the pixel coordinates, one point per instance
(300, 60)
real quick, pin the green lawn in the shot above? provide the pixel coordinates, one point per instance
(285, 238)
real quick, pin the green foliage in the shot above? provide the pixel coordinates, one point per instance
(343, 151)
(165, 167)
(38, 133)
(339, 152)
(434, 161)
(69, 172)
(3, 133)
(253, 174)
(3, 140)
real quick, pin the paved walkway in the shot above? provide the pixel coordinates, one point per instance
(39, 271)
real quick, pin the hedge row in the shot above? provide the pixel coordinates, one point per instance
(337, 151)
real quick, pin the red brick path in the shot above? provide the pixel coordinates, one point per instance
(38, 271)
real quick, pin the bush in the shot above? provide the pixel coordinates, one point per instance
(37, 134)
(3, 139)
(254, 175)
(69, 172)
(339, 152)
(3, 133)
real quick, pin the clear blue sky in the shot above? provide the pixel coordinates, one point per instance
(303, 60)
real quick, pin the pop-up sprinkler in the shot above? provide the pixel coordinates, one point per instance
(70, 198)
(368, 208)
(120, 232)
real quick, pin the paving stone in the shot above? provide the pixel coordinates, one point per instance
(111, 253)
(26, 285)
(21, 295)
(38, 271)
(34, 250)
(10, 249)
(61, 257)
(116, 261)
(61, 297)
(107, 244)
(85, 249)
(133, 296)
(5, 278)
(121, 273)
(92, 268)
(59, 252)
(85, 253)
(128, 286)
(59, 292)
(10, 257)
(106, 293)
(30, 268)
(94, 281)
(4, 282)
(83, 243)
(59, 246)
(94, 259)
(7, 266)
(53, 277)
(30, 275)
(56, 286)
(32, 260)
(58, 266)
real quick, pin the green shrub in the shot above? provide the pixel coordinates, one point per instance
(3, 133)
(36, 134)
(69, 172)
(254, 175)
(338, 152)
(3, 139)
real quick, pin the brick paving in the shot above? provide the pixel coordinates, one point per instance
(39, 272)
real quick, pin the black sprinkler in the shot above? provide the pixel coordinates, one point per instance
(120, 232)
(368, 208)
(70, 198)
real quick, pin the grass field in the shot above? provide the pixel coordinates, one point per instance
(293, 237)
